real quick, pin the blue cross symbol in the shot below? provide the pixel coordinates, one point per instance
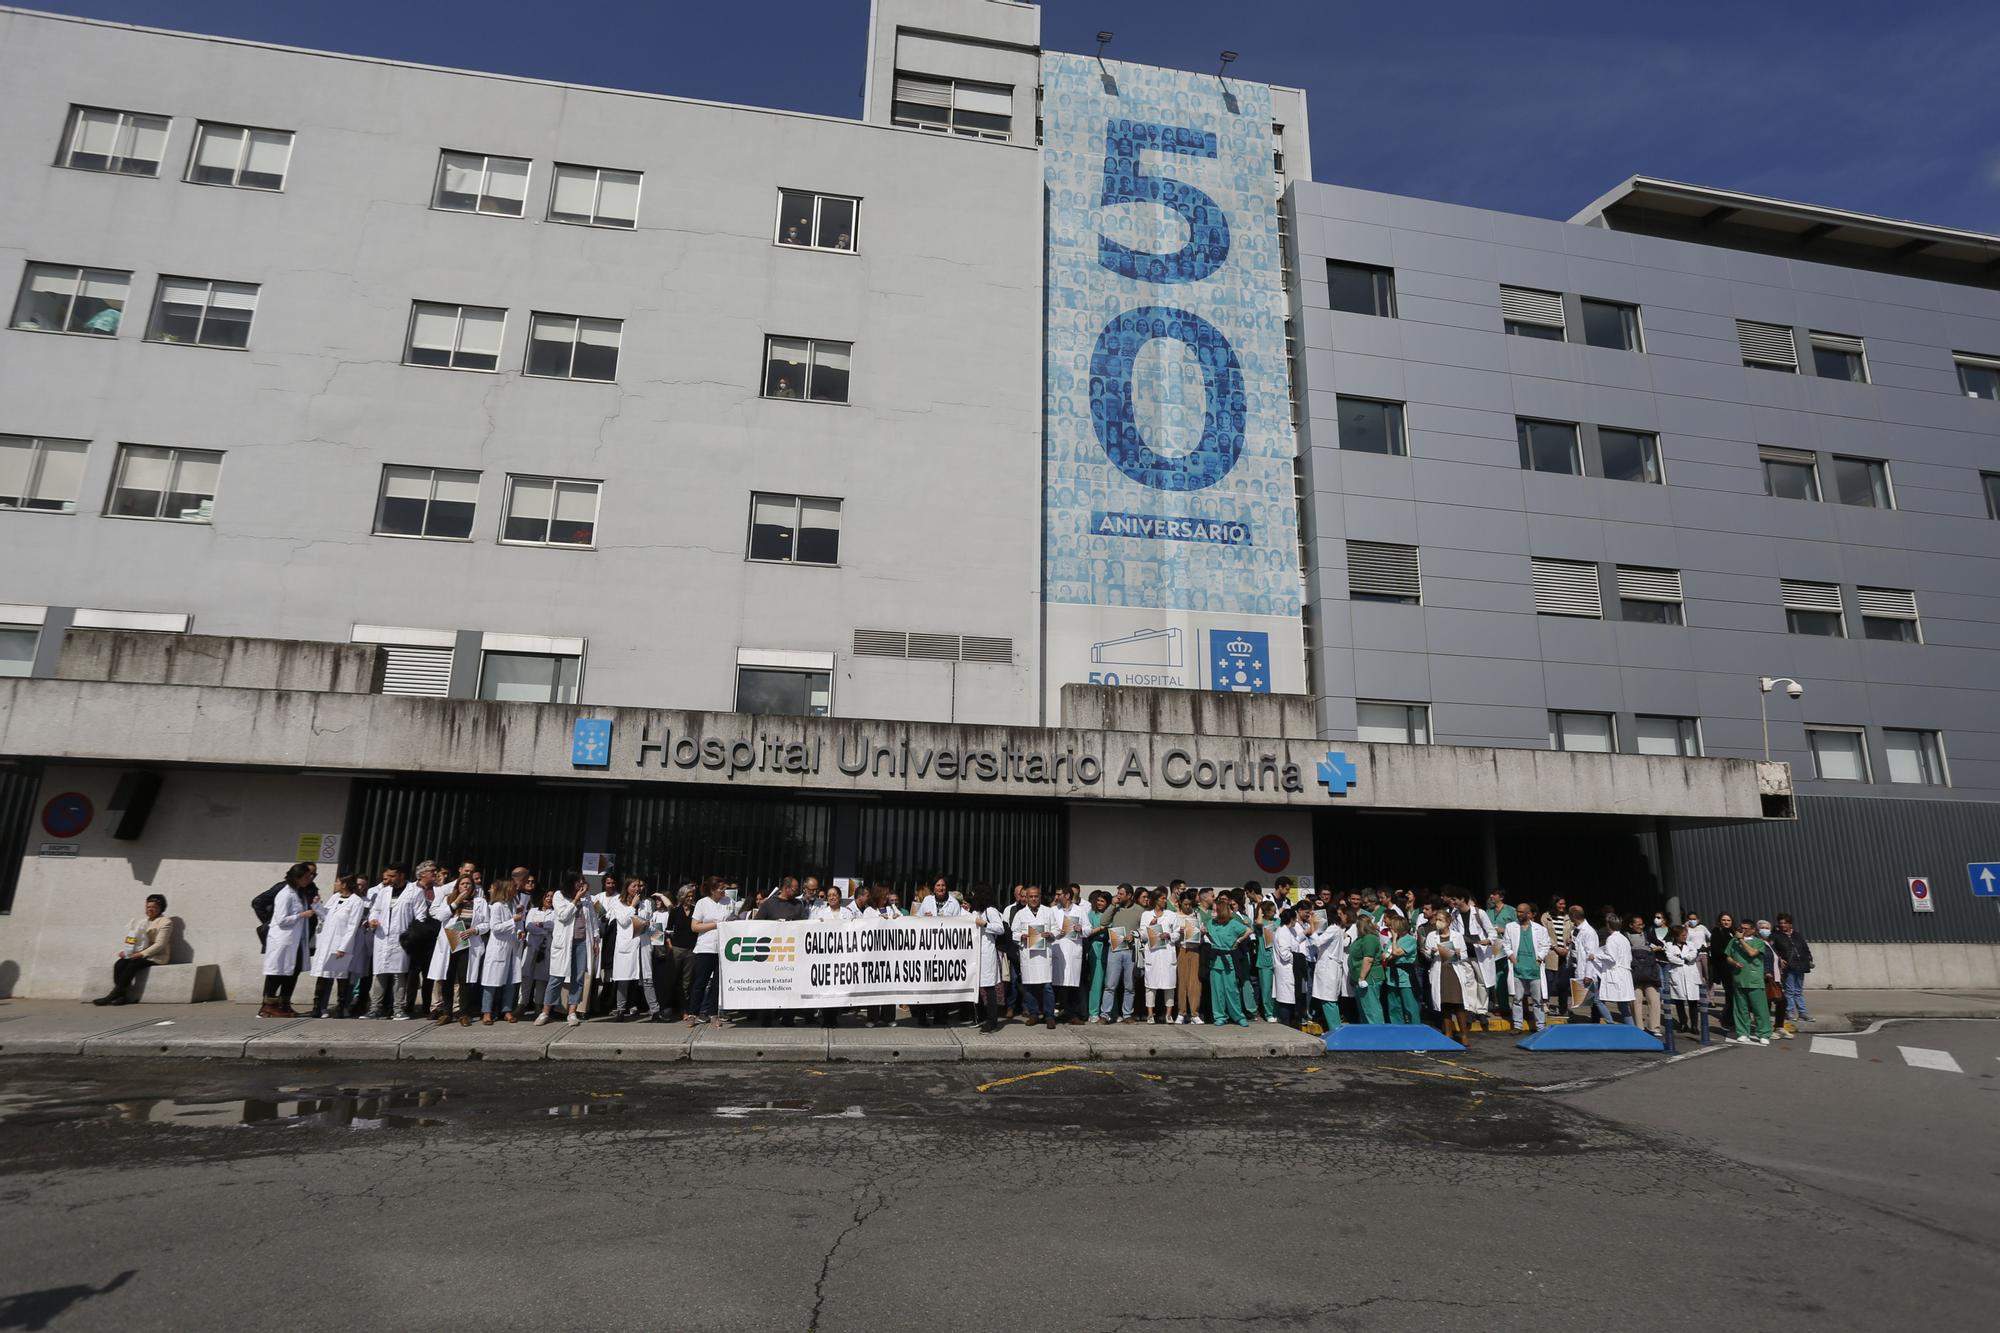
(1336, 774)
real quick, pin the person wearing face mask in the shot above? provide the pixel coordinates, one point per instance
(1747, 957)
(1795, 959)
(1720, 973)
(1774, 990)
(1684, 983)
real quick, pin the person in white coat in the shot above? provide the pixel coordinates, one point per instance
(1525, 945)
(1066, 970)
(572, 937)
(1452, 971)
(537, 924)
(1159, 952)
(338, 946)
(1612, 959)
(454, 965)
(1583, 949)
(286, 938)
(1328, 944)
(992, 930)
(383, 931)
(1034, 929)
(632, 952)
(1684, 983)
(500, 954)
(1285, 945)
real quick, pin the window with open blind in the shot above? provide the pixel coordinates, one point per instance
(1650, 595)
(1888, 614)
(1812, 608)
(1768, 346)
(1567, 588)
(1532, 314)
(1384, 572)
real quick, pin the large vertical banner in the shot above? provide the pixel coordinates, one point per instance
(1170, 531)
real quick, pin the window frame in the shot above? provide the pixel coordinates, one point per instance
(555, 494)
(772, 669)
(1523, 433)
(1964, 361)
(576, 340)
(1930, 757)
(31, 474)
(1990, 483)
(1559, 739)
(805, 395)
(556, 170)
(486, 161)
(1636, 326)
(66, 150)
(1381, 552)
(381, 494)
(1869, 619)
(1416, 717)
(1540, 330)
(80, 274)
(176, 455)
(1376, 274)
(798, 517)
(458, 336)
(1650, 453)
(1860, 735)
(1768, 455)
(819, 198)
(156, 334)
(33, 632)
(201, 129)
(1818, 340)
(1675, 613)
(1881, 465)
(486, 655)
(1687, 735)
(950, 123)
(1396, 428)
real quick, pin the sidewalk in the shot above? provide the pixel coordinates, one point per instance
(233, 1031)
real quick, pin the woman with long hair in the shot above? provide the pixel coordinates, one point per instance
(500, 956)
(537, 923)
(572, 933)
(1187, 964)
(286, 939)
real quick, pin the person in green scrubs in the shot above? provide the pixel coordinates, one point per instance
(1400, 971)
(1364, 968)
(1266, 1002)
(1224, 931)
(1093, 949)
(1748, 957)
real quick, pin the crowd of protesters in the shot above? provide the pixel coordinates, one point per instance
(454, 946)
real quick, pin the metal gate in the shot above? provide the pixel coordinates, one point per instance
(912, 843)
(675, 840)
(18, 787)
(403, 821)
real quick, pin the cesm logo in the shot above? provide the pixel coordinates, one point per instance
(760, 949)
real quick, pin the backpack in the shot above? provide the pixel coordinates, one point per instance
(1645, 967)
(265, 903)
(419, 938)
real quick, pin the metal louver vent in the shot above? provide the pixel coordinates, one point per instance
(881, 643)
(1649, 585)
(934, 647)
(1899, 603)
(1567, 588)
(1801, 596)
(1838, 342)
(986, 648)
(1383, 569)
(1523, 306)
(1767, 344)
(418, 671)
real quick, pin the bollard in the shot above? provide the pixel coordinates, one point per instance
(1667, 1023)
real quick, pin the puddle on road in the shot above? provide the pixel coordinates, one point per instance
(358, 1108)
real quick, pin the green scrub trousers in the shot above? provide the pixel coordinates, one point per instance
(1224, 991)
(1368, 999)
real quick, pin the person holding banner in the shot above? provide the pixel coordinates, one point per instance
(992, 928)
(938, 902)
(1159, 933)
(1066, 959)
(1035, 929)
(710, 911)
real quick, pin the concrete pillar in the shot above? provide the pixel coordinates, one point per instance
(48, 647)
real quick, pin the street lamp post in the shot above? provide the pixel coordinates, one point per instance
(1764, 687)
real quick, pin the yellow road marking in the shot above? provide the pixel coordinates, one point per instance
(1430, 1073)
(1044, 1073)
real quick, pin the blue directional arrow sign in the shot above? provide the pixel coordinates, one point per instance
(1985, 878)
(1336, 774)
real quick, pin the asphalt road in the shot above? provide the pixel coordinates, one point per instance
(1742, 1188)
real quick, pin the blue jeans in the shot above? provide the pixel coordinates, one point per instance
(707, 982)
(572, 984)
(1117, 976)
(1795, 996)
(501, 997)
(1040, 999)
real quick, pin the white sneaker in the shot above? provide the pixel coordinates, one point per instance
(1195, 1019)
(1269, 1019)
(573, 1021)
(401, 1018)
(1520, 1027)
(542, 1019)
(1744, 1041)
(1763, 1041)
(1786, 1035)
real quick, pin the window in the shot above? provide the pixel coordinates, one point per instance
(1666, 736)
(784, 691)
(121, 141)
(1371, 427)
(202, 312)
(237, 155)
(176, 485)
(1889, 614)
(1589, 733)
(954, 106)
(455, 337)
(1392, 724)
(1789, 474)
(806, 368)
(1532, 314)
(1767, 346)
(1383, 572)
(476, 183)
(1610, 324)
(426, 502)
(1549, 446)
(1914, 756)
(1812, 608)
(1566, 588)
(1978, 376)
(816, 221)
(529, 678)
(17, 649)
(411, 661)
(1652, 596)
(56, 298)
(44, 475)
(1839, 754)
(1836, 356)
(595, 196)
(798, 529)
(1863, 482)
(549, 511)
(571, 347)
(1991, 481)
(1630, 455)
(1360, 289)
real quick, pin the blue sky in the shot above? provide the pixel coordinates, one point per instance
(1534, 107)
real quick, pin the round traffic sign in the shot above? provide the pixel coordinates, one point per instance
(67, 815)
(1272, 853)
(1919, 889)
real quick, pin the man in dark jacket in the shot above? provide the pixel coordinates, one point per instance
(1794, 961)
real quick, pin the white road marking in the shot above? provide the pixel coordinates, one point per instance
(1923, 1059)
(1836, 1046)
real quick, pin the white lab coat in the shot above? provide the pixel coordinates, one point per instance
(1160, 960)
(1284, 981)
(1684, 971)
(930, 907)
(500, 960)
(1613, 960)
(448, 920)
(630, 954)
(535, 956)
(1510, 950)
(992, 926)
(1698, 937)
(286, 938)
(1481, 936)
(1329, 978)
(563, 919)
(340, 932)
(385, 952)
(1037, 964)
(1583, 951)
(822, 912)
(1467, 972)
(1067, 960)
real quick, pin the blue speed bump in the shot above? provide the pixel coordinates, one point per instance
(1388, 1037)
(1592, 1037)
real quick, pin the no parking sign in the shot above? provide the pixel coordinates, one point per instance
(1920, 894)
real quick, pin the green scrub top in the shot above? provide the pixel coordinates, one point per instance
(1400, 948)
(1752, 958)
(1504, 916)
(1366, 945)
(1223, 935)
(1265, 929)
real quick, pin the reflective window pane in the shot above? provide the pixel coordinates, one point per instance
(596, 350)
(1372, 427)
(836, 224)
(1588, 732)
(1608, 324)
(1838, 756)
(17, 650)
(786, 693)
(1838, 363)
(773, 524)
(829, 371)
(1549, 446)
(1890, 629)
(1523, 329)
(785, 368)
(1861, 481)
(1913, 756)
(1360, 289)
(1979, 379)
(551, 345)
(530, 503)
(819, 532)
(1790, 481)
(1649, 612)
(575, 521)
(1630, 455)
(1822, 624)
(795, 218)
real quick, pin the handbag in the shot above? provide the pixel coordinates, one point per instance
(1773, 990)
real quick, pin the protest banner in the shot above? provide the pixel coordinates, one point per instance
(833, 964)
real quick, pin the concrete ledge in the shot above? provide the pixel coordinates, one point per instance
(715, 1042)
(502, 1041)
(1145, 1041)
(912, 1045)
(331, 1039)
(164, 983)
(1904, 966)
(649, 1042)
(194, 1030)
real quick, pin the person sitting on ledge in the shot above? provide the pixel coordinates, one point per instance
(148, 940)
